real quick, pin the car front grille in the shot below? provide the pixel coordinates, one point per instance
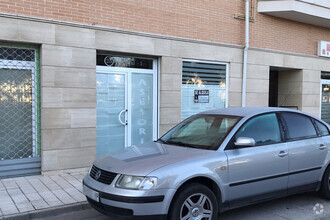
(102, 175)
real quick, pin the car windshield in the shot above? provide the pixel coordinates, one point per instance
(201, 131)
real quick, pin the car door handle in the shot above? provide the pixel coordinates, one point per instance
(282, 154)
(322, 146)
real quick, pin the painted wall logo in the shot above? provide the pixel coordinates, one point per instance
(324, 49)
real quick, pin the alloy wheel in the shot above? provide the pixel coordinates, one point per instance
(196, 207)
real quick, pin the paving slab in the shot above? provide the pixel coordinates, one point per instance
(9, 184)
(39, 204)
(17, 196)
(25, 185)
(2, 187)
(51, 184)
(76, 194)
(61, 182)
(64, 197)
(70, 179)
(24, 207)
(9, 209)
(38, 185)
(33, 196)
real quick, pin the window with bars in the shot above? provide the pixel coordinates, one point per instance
(19, 108)
(203, 87)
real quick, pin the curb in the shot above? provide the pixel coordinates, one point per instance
(44, 213)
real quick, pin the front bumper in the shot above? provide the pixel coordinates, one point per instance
(121, 202)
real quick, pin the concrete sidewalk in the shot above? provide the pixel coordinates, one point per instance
(33, 196)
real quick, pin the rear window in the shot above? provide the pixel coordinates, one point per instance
(298, 126)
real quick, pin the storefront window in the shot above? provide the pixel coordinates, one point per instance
(325, 96)
(204, 87)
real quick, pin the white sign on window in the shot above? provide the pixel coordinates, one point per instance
(324, 49)
(201, 96)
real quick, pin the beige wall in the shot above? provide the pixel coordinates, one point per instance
(257, 85)
(290, 88)
(68, 84)
(311, 91)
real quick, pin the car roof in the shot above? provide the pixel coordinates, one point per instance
(246, 111)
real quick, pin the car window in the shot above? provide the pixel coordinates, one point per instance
(264, 129)
(298, 125)
(201, 131)
(322, 128)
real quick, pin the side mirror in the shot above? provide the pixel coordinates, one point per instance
(245, 142)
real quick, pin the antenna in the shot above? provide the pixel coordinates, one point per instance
(286, 96)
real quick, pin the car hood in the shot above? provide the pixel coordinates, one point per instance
(142, 159)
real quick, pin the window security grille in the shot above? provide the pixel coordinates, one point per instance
(19, 120)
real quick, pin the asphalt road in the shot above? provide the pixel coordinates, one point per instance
(303, 206)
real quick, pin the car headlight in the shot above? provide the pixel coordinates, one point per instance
(136, 182)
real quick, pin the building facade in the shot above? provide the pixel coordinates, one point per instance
(80, 78)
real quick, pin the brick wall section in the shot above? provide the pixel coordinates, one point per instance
(196, 19)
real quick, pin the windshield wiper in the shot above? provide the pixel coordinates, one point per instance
(162, 141)
(179, 143)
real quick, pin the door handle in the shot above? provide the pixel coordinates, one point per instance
(322, 146)
(282, 153)
(119, 117)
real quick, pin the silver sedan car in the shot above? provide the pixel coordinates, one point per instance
(212, 162)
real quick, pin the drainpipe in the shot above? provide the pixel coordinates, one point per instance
(246, 48)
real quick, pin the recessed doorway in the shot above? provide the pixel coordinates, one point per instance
(273, 89)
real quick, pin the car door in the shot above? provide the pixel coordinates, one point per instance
(307, 151)
(260, 171)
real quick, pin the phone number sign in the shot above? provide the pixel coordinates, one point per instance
(201, 96)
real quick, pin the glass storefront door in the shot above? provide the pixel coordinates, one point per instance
(325, 100)
(111, 107)
(126, 108)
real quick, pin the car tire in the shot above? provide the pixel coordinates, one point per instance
(325, 185)
(194, 200)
